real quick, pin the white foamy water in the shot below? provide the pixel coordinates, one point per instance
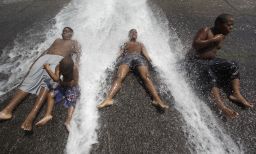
(101, 26)
(15, 61)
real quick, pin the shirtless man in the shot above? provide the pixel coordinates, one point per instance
(37, 77)
(207, 42)
(133, 55)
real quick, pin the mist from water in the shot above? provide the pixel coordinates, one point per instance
(16, 58)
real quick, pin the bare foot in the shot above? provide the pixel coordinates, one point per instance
(241, 99)
(5, 115)
(105, 103)
(230, 113)
(160, 104)
(44, 120)
(27, 125)
(67, 125)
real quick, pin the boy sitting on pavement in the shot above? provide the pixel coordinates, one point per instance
(206, 43)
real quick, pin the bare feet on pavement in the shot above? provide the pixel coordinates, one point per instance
(44, 120)
(27, 125)
(230, 113)
(241, 99)
(105, 103)
(5, 115)
(160, 104)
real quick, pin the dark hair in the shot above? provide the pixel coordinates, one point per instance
(131, 31)
(66, 68)
(69, 29)
(221, 19)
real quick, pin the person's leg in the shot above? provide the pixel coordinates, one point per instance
(237, 96)
(123, 70)
(144, 73)
(215, 95)
(48, 114)
(229, 70)
(69, 117)
(27, 124)
(6, 113)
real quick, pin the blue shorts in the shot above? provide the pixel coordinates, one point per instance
(70, 95)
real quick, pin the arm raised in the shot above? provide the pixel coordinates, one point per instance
(54, 75)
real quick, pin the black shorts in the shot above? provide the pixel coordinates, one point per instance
(217, 71)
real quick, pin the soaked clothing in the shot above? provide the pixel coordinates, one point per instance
(133, 60)
(218, 71)
(37, 76)
(70, 95)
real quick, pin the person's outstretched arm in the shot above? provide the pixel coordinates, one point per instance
(145, 53)
(36, 60)
(44, 52)
(77, 51)
(54, 75)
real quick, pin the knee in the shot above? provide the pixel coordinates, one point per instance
(234, 65)
(51, 94)
(235, 70)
